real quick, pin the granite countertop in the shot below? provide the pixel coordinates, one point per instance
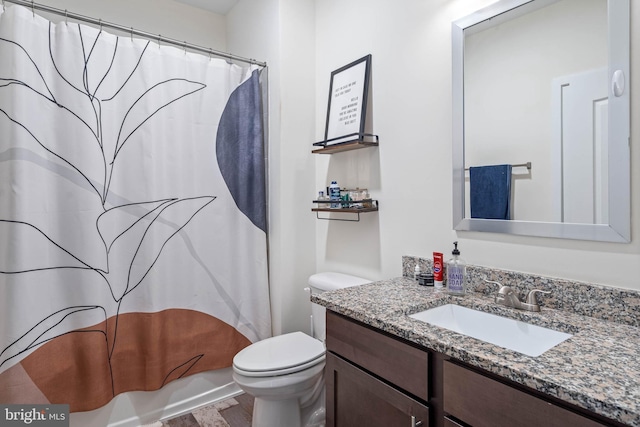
(598, 368)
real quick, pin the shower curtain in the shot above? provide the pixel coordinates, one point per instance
(132, 213)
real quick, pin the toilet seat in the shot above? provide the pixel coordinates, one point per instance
(280, 355)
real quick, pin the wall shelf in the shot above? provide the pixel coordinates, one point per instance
(353, 210)
(347, 146)
(364, 140)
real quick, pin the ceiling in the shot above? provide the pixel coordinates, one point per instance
(221, 7)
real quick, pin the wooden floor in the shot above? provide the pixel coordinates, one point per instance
(234, 412)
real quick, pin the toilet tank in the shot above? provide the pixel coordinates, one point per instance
(328, 281)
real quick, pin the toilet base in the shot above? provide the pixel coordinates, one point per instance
(278, 413)
(294, 400)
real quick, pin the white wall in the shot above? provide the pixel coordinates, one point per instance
(296, 233)
(410, 173)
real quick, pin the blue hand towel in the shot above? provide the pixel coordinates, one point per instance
(490, 191)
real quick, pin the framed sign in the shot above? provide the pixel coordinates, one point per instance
(347, 107)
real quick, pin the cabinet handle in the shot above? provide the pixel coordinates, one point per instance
(414, 422)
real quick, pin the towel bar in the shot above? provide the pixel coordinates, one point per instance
(519, 165)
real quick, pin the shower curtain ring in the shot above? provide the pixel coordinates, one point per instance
(132, 34)
(159, 37)
(100, 23)
(184, 45)
(33, 12)
(65, 18)
(210, 53)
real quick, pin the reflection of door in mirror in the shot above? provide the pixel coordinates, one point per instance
(510, 69)
(580, 168)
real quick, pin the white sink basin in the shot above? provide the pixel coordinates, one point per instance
(511, 334)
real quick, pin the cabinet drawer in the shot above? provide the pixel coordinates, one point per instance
(355, 398)
(480, 401)
(395, 361)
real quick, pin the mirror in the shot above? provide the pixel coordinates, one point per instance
(542, 83)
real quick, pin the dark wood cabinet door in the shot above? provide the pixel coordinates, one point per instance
(355, 398)
(448, 422)
(480, 401)
(398, 363)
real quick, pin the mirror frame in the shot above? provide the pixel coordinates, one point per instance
(619, 227)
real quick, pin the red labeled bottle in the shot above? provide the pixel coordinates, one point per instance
(438, 269)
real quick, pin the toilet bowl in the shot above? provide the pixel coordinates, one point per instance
(285, 373)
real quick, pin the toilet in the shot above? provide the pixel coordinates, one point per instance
(285, 373)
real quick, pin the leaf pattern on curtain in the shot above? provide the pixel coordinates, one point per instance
(78, 109)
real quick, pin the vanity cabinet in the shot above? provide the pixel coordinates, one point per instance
(376, 379)
(361, 399)
(373, 379)
(480, 401)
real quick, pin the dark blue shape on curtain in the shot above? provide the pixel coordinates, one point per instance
(490, 192)
(240, 150)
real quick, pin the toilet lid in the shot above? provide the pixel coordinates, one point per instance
(279, 355)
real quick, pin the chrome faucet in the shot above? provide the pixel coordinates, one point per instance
(507, 297)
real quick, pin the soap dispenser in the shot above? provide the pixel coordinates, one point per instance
(456, 271)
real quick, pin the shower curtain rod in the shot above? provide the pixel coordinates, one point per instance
(157, 37)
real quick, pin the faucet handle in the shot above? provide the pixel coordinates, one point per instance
(504, 289)
(531, 296)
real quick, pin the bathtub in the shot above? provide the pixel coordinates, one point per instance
(181, 396)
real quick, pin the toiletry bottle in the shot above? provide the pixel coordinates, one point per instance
(322, 197)
(416, 271)
(367, 198)
(334, 194)
(438, 269)
(456, 270)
